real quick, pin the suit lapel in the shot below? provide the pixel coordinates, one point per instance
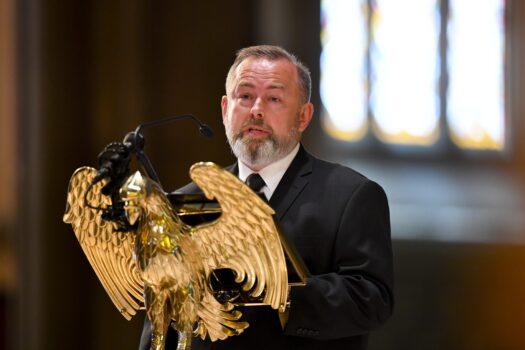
(291, 185)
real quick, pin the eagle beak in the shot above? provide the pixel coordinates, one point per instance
(132, 213)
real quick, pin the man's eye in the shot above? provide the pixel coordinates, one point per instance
(275, 99)
(245, 96)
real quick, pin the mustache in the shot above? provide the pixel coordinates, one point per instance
(255, 122)
(252, 122)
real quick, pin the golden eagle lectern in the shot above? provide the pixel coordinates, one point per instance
(165, 264)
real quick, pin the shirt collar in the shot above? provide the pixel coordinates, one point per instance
(271, 174)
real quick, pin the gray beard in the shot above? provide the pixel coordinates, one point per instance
(264, 152)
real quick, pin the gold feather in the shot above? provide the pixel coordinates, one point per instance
(256, 252)
(166, 264)
(109, 258)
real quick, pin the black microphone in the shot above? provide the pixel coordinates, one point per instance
(206, 131)
(103, 172)
(113, 161)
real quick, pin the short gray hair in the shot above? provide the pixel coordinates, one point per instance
(273, 53)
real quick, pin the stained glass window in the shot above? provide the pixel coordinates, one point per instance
(404, 98)
(475, 98)
(382, 62)
(343, 63)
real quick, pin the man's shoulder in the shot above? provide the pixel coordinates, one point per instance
(190, 188)
(336, 172)
(341, 180)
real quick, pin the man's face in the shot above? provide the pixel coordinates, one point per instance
(263, 113)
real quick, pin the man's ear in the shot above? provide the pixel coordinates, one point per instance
(305, 116)
(224, 106)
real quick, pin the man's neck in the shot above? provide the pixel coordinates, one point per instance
(258, 167)
(272, 173)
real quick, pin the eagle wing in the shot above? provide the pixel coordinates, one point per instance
(244, 238)
(109, 251)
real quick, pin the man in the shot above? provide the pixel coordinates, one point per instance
(337, 219)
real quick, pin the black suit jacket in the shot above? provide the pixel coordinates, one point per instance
(338, 221)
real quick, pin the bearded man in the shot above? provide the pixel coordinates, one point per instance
(337, 219)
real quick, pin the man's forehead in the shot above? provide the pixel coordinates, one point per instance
(249, 84)
(278, 73)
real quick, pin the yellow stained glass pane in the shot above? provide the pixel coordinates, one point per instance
(475, 100)
(405, 71)
(343, 68)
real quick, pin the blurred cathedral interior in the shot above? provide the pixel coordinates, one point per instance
(423, 97)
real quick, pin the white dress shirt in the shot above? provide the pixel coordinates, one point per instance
(271, 174)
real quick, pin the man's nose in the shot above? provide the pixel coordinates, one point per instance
(258, 108)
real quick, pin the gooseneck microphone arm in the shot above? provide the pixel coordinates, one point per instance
(114, 163)
(135, 140)
(114, 159)
(204, 129)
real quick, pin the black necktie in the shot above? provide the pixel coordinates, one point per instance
(256, 183)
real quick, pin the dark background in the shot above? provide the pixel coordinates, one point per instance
(76, 75)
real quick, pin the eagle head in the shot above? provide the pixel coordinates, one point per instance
(133, 192)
